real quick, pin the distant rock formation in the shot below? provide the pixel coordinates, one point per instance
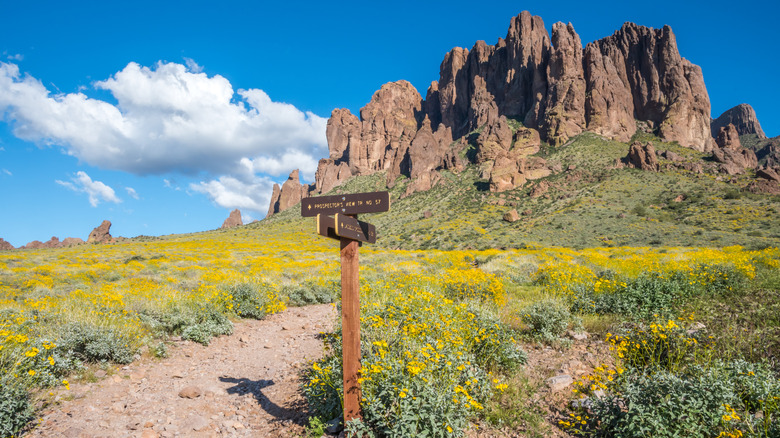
(291, 193)
(5, 246)
(101, 233)
(743, 117)
(530, 84)
(234, 220)
(729, 152)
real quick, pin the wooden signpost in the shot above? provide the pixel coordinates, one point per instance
(345, 227)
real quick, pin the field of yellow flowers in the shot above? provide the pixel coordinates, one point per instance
(443, 331)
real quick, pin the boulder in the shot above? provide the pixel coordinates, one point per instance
(511, 216)
(234, 220)
(765, 173)
(101, 233)
(642, 156)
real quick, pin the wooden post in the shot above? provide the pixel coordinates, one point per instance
(350, 327)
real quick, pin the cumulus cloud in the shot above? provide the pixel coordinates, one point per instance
(131, 192)
(230, 192)
(169, 119)
(96, 190)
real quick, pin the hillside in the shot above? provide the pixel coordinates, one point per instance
(591, 203)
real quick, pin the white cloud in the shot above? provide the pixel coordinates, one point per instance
(193, 66)
(96, 190)
(131, 191)
(229, 192)
(171, 119)
(16, 57)
(7, 172)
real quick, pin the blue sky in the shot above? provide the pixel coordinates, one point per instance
(163, 116)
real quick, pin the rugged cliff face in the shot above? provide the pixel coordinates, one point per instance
(503, 100)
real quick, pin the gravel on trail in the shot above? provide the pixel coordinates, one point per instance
(245, 384)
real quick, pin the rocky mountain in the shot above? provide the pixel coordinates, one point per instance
(233, 220)
(494, 105)
(744, 119)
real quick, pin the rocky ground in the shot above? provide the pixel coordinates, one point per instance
(246, 384)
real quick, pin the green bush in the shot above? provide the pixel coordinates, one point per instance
(657, 293)
(308, 293)
(547, 320)
(95, 344)
(659, 405)
(15, 407)
(248, 300)
(700, 402)
(496, 348)
(199, 323)
(207, 323)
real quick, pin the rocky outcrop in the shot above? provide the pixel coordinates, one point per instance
(743, 117)
(233, 220)
(642, 156)
(638, 73)
(291, 193)
(766, 173)
(733, 158)
(5, 246)
(728, 138)
(553, 87)
(564, 108)
(101, 233)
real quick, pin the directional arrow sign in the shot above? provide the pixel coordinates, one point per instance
(353, 203)
(351, 228)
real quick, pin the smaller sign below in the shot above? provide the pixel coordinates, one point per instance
(326, 226)
(351, 228)
(353, 203)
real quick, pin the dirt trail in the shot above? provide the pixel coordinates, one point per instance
(246, 384)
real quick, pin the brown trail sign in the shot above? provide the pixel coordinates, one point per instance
(354, 203)
(351, 232)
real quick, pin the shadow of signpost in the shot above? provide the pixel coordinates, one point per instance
(295, 412)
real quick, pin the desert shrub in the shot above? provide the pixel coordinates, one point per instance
(495, 346)
(734, 399)
(207, 323)
(308, 293)
(732, 193)
(669, 345)
(45, 364)
(655, 293)
(197, 323)
(15, 407)
(427, 364)
(547, 320)
(95, 344)
(247, 301)
(657, 405)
